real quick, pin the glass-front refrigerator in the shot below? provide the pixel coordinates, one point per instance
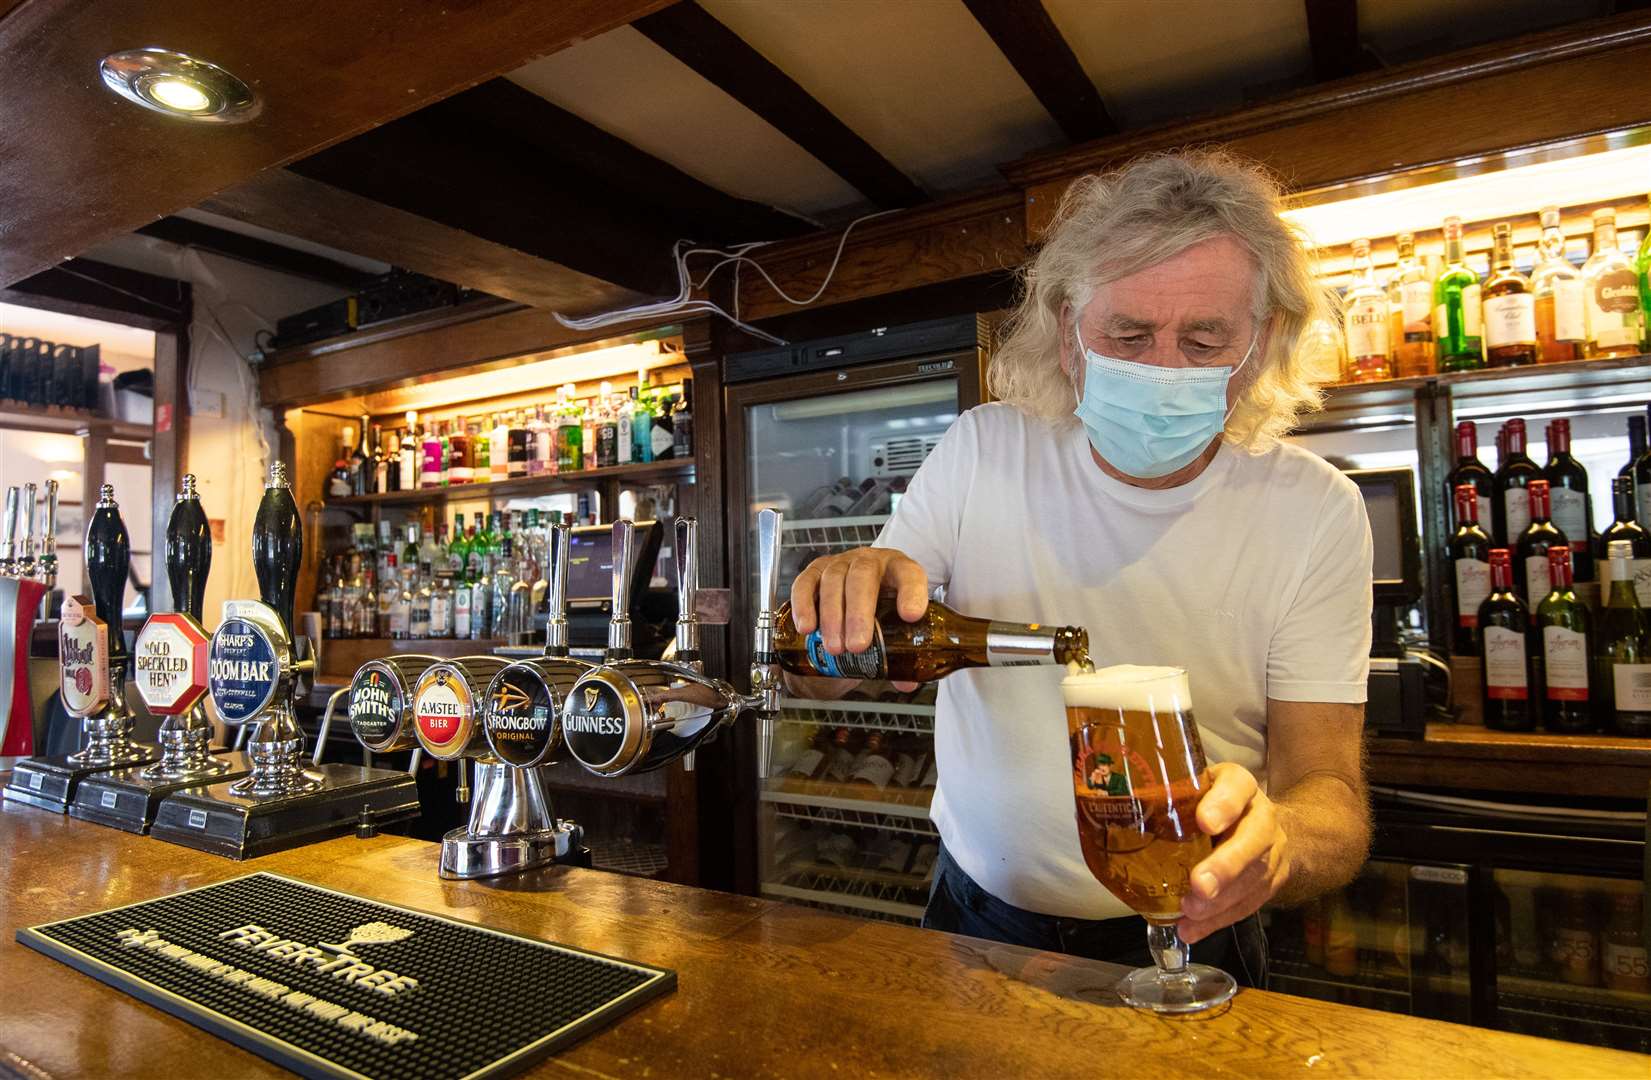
(831, 432)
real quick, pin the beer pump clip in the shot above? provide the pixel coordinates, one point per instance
(93, 658)
(256, 670)
(631, 716)
(170, 673)
(22, 601)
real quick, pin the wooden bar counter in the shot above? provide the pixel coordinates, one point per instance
(765, 989)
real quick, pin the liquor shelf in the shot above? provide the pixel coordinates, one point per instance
(951, 1004)
(640, 472)
(1581, 379)
(36, 419)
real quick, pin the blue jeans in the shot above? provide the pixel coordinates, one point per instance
(960, 906)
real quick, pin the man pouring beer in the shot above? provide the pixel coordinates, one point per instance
(1131, 479)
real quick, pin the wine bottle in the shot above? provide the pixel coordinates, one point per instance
(1625, 528)
(1623, 653)
(1573, 510)
(1636, 450)
(1510, 506)
(1642, 482)
(940, 642)
(1531, 555)
(1567, 645)
(1470, 470)
(1470, 558)
(1504, 651)
(361, 464)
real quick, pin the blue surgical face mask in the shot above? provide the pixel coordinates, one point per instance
(1148, 421)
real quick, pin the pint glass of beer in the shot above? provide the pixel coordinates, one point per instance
(1138, 773)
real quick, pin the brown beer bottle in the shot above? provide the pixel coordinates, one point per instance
(939, 643)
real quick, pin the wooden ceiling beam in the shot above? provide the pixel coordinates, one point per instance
(1026, 35)
(1333, 38)
(186, 232)
(98, 290)
(695, 37)
(286, 202)
(79, 165)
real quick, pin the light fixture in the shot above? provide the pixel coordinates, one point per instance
(180, 86)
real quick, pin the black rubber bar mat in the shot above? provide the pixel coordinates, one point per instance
(329, 984)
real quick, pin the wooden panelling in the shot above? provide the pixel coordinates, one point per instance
(1473, 758)
(286, 202)
(95, 290)
(187, 232)
(1026, 35)
(171, 437)
(764, 989)
(79, 165)
(954, 240)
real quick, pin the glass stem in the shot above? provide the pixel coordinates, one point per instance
(1168, 950)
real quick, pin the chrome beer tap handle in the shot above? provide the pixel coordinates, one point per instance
(8, 538)
(686, 549)
(46, 563)
(556, 625)
(619, 624)
(766, 679)
(25, 558)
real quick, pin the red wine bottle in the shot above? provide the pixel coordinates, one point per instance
(1469, 470)
(1470, 559)
(1530, 566)
(1504, 651)
(1510, 507)
(1572, 508)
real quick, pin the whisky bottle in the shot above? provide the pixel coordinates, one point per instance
(1560, 325)
(1367, 325)
(1410, 306)
(940, 642)
(1456, 307)
(1510, 307)
(1610, 294)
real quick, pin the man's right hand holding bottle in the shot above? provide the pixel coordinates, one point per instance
(837, 595)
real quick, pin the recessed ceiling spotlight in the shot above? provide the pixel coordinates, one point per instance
(177, 85)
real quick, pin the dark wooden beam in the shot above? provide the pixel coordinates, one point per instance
(95, 166)
(692, 35)
(286, 202)
(250, 249)
(96, 290)
(1333, 36)
(1025, 34)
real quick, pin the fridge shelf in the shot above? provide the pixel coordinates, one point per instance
(843, 902)
(1574, 996)
(1559, 1018)
(906, 719)
(848, 795)
(887, 817)
(1362, 981)
(821, 535)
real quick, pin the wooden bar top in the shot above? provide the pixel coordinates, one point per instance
(765, 989)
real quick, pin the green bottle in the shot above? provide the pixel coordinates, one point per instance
(1567, 650)
(1456, 310)
(1642, 271)
(1623, 651)
(496, 533)
(475, 549)
(458, 550)
(481, 448)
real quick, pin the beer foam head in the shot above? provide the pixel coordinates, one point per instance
(1135, 687)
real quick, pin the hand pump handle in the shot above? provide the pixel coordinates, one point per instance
(8, 539)
(48, 538)
(765, 665)
(556, 625)
(188, 550)
(685, 548)
(278, 545)
(108, 561)
(619, 625)
(26, 567)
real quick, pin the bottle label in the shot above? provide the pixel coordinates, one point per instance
(1632, 684)
(841, 762)
(870, 664)
(1505, 668)
(441, 615)
(908, 769)
(1642, 502)
(1565, 660)
(1472, 586)
(1569, 513)
(399, 618)
(1612, 305)
(1518, 505)
(461, 612)
(460, 474)
(1639, 570)
(807, 763)
(1537, 584)
(1575, 949)
(1510, 320)
(664, 439)
(1483, 502)
(626, 441)
(1625, 964)
(1569, 322)
(1470, 311)
(1417, 299)
(874, 769)
(1367, 330)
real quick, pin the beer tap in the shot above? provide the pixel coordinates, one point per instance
(8, 539)
(46, 561)
(629, 716)
(108, 561)
(25, 558)
(257, 668)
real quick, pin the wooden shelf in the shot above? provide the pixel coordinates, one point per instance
(37, 419)
(524, 485)
(1472, 758)
(1579, 378)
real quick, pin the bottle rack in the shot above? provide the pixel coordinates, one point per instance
(548, 484)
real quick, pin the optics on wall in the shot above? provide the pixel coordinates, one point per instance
(180, 86)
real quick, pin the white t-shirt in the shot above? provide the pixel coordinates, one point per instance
(1255, 577)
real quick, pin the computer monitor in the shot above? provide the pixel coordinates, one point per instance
(1390, 502)
(590, 562)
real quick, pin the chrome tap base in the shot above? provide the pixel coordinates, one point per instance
(465, 857)
(108, 743)
(186, 749)
(276, 751)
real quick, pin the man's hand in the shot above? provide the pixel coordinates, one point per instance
(1251, 861)
(838, 594)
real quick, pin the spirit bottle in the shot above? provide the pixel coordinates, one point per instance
(682, 421)
(361, 464)
(1410, 306)
(1367, 322)
(410, 452)
(1610, 293)
(1510, 307)
(1456, 307)
(341, 481)
(1561, 326)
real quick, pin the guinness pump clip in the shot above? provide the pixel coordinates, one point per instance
(504, 717)
(632, 716)
(170, 673)
(255, 672)
(92, 655)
